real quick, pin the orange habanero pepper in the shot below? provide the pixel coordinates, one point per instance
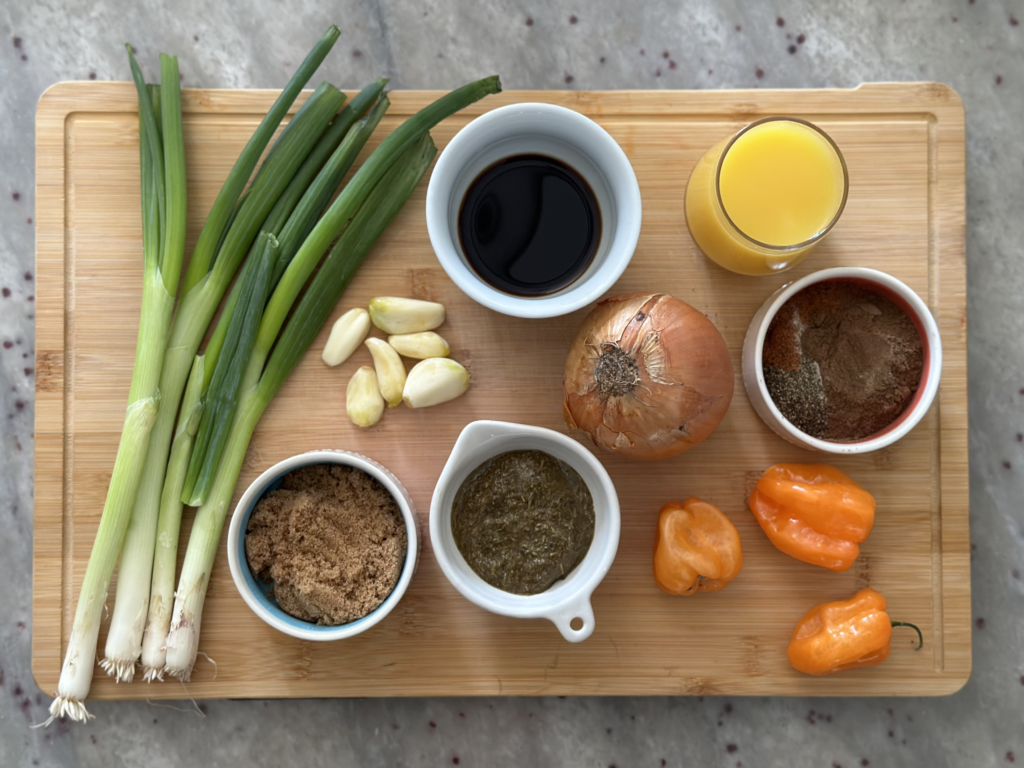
(845, 634)
(813, 512)
(696, 548)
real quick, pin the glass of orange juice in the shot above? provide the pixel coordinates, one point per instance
(759, 201)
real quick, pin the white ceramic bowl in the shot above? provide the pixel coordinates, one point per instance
(567, 601)
(557, 132)
(895, 291)
(255, 593)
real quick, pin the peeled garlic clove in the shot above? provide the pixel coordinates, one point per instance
(347, 334)
(389, 368)
(433, 381)
(363, 400)
(393, 315)
(420, 345)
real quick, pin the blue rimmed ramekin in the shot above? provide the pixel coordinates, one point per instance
(255, 593)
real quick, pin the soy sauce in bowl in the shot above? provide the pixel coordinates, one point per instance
(529, 225)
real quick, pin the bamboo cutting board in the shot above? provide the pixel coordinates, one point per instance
(904, 144)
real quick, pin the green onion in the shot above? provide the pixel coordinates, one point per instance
(165, 558)
(377, 210)
(162, 590)
(128, 619)
(198, 305)
(307, 106)
(373, 196)
(162, 160)
(219, 409)
(292, 234)
(211, 272)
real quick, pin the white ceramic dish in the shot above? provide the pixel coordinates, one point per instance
(255, 594)
(891, 288)
(567, 602)
(557, 132)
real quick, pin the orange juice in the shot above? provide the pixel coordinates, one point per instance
(759, 201)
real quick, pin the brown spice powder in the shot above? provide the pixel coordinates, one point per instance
(842, 362)
(332, 540)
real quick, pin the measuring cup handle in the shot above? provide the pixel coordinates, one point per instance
(579, 612)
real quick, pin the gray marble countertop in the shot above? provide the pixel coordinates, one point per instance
(977, 47)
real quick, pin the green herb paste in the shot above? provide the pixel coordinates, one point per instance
(523, 520)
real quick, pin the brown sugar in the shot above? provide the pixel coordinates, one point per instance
(842, 362)
(332, 540)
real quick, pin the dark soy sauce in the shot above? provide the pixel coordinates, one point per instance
(529, 225)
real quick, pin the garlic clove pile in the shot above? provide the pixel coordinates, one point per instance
(410, 322)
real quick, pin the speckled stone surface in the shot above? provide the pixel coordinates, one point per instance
(977, 47)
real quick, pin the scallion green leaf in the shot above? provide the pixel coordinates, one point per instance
(222, 397)
(204, 252)
(296, 190)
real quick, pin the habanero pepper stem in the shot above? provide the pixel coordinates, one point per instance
(920, 637)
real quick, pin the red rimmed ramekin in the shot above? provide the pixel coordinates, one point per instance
(881, 283)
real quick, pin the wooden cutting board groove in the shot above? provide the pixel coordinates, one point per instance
(904, 144)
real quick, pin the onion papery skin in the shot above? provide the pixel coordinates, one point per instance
(647, 377)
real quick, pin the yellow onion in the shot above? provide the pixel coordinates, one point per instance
(648, 376)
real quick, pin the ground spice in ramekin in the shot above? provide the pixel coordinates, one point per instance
(332, 540)
(842, 362)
